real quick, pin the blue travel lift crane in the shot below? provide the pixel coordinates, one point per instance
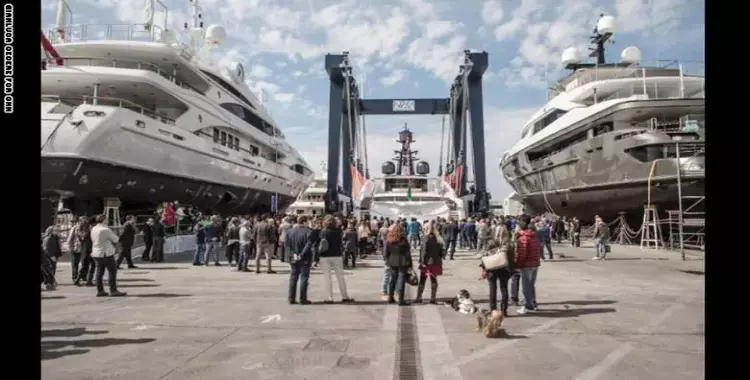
(465, 110)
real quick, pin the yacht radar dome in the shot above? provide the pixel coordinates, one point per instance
(215, 35)
(631, 54)
(236, 71)
(606, 25)
(571, 56)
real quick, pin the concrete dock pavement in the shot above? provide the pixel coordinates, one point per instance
(637, 315)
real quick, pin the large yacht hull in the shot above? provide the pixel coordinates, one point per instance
(608, 203)
(83, 184)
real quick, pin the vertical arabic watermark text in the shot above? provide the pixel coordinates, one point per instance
(8, 58)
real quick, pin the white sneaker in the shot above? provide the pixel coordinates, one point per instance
(596, 258)
(523, 310)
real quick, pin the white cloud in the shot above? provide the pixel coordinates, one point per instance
(395, 77)
(260, 71)
(492, 12)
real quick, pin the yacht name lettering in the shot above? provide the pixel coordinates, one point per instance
(8, 58)
(8, 28)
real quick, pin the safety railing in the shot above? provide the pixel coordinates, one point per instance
(689, 80)
(112, 102)
(120, 63)
(118, 32)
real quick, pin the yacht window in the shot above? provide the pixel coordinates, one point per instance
(248, 116)
(254, 150)
(547, 120)
(216, 135)
(602, 129)
(552, 149)
(300, 212)
(228, 87)
(230, 142)
(223, 138)
(647, 153)
(236, 143)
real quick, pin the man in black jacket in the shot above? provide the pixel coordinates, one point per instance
(298, 253)
(127, 238)
(450, 235)
(158, 231)
(148, 239)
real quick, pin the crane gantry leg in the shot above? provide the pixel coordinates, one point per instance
(464, 106)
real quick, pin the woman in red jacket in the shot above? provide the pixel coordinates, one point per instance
(528, 260)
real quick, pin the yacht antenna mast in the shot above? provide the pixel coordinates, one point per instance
(602, 34)
(197, 15)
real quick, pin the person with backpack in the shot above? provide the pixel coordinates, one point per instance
(329, 248)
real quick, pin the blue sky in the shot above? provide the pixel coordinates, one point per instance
(412, 48)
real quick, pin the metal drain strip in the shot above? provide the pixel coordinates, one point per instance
(407, 361)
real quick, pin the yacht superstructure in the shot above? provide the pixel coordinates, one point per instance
(143, 117)
(609, 134)
(404, 192)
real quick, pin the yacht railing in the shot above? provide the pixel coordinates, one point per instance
(112, 102)
(119, 63)
(117, 32)
(642, 71)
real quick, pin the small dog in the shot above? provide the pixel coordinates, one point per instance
(463, 303)
(490, 323)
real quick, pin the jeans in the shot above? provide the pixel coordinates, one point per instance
(601, 247)
(450, 247)
(494, 277)
(300, 272)
(515, 279)
(244, 256)
(482, 244)
(386, 278)
(528, 281)
(106, 263)
(414, 240)
(157, 254)
(397, 281)
(75, 262)
(200, 248)
(125, 254)
(545, 244)
(232, 252)
(210, 248)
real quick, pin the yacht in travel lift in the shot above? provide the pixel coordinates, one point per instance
(131, 112)
(406, 191)
(607, 140)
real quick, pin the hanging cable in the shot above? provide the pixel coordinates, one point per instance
(364, 145)
(348, 118)
(451, 152)
(464, 104)
(442, 141)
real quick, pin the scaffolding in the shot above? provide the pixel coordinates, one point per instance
(690, 217)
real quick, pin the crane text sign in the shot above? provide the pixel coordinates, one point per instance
(404, 106)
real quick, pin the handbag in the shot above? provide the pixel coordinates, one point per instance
(412, 278)
(497, 260)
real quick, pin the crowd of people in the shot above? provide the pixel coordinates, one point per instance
(330, 243)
